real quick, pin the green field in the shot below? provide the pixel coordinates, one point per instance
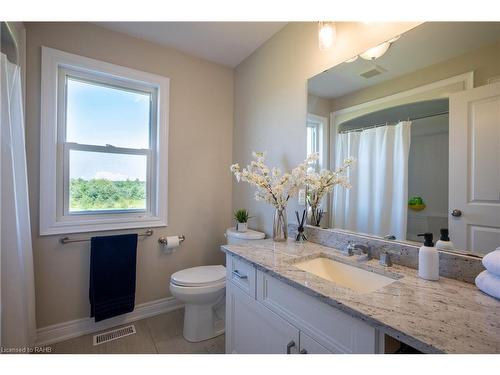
(100, 194)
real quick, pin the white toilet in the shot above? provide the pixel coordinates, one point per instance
(203, 291)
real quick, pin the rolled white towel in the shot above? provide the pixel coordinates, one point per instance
(491, 262)
(489, 283)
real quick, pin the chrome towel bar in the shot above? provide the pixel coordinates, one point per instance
(148, 233)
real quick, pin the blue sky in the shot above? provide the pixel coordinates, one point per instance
(101, 115)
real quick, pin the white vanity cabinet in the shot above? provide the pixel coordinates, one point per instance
(254, 329)
(265, 315)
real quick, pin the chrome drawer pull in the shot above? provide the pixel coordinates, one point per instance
(289, 347)
(239, 275)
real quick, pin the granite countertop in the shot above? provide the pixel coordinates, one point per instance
(445, 316)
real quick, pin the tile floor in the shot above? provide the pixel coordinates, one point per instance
(160, 334)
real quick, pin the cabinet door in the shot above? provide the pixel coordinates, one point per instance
(334, 329)
(311, 346)
(251, 328)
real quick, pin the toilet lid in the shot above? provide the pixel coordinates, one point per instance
(248, 235)
(199, 276)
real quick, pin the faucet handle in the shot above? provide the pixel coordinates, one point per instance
(385, 258)
(349, 249)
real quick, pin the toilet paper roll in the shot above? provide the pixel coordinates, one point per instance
(172, 242)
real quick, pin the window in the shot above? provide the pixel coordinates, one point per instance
(316, 139)
(103, 146)
(312, 138)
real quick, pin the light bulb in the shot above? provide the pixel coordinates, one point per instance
(326, 35)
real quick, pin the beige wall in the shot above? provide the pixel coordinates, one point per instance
(200, 136)
(317, 105)
(485, 62)
(270, 99)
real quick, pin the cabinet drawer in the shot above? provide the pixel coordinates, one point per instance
(335, 330)
(310, 346)
(241, 273)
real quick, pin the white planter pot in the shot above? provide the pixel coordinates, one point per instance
(241, 227)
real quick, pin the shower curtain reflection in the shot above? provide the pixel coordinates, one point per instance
(377, 202)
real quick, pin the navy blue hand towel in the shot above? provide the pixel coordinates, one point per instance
(112, 275)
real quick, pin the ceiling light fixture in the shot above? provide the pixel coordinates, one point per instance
(375, 52)
(326, 35)
(378, 51)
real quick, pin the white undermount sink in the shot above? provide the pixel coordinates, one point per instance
(351, 277)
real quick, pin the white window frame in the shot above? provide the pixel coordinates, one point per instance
(55, 217)
(321, 124)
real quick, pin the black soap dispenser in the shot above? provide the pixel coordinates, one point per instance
(444, 242)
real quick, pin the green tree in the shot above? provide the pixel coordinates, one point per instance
(101, 194)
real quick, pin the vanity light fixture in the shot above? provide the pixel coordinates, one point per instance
(326, 35)
(378, 51)
(352, 59)
(375, 52)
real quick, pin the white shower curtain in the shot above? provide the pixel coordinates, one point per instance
(18, 328)
(377, 202)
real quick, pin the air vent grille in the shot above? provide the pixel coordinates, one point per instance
(115, 334)
(375, 71)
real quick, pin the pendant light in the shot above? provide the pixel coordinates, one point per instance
(326, 35)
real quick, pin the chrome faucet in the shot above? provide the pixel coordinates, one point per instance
(385, 258)
(352, 247)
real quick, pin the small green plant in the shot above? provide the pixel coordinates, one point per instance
(241, 215)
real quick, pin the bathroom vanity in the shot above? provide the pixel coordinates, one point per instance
(422, 123)
(277, 301)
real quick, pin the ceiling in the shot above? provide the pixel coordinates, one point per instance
(425, 45)
(226, 43)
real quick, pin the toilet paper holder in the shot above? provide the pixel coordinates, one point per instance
(163, 240)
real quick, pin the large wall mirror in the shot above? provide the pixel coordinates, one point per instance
(420, 113)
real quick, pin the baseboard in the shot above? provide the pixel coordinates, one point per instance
(75, 328)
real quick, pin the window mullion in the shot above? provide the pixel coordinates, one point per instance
(107, 149)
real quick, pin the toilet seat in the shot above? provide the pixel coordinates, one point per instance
(199, 277)
(194, 290)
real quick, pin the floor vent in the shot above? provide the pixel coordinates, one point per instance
(115, 334)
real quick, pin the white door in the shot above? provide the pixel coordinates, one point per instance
(474, 198)
(251, 328)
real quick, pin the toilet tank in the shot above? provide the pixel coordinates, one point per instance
(234, 237)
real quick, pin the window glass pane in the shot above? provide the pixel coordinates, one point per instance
(312, 140)
(105, 181)
(100, 115)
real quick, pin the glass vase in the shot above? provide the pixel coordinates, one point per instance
(280, 225)
(314, 216)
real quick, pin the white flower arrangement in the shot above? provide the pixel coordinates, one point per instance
(321, 183)
(273, 186)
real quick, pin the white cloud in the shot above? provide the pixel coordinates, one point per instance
(110, 176)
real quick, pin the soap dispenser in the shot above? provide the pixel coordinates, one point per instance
(444, 242)
(428, 259)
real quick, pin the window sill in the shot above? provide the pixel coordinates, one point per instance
(65, 227)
